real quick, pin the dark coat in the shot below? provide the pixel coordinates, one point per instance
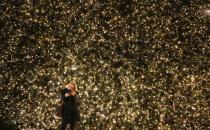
(70, 106)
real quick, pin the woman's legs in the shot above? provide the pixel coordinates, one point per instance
(64, 124)
(73, 125)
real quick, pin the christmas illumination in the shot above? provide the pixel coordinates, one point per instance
(138, 64)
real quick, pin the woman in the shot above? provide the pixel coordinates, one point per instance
(70, 112)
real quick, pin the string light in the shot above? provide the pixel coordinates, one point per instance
(138, 64)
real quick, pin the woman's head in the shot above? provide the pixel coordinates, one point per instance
(73, 86)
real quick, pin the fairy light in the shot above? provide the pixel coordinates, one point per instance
(138, 64)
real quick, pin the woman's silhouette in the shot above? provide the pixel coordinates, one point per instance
(70, 112)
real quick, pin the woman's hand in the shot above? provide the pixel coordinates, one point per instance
(67, 95)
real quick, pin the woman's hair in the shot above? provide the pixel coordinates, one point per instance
(75, 85)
